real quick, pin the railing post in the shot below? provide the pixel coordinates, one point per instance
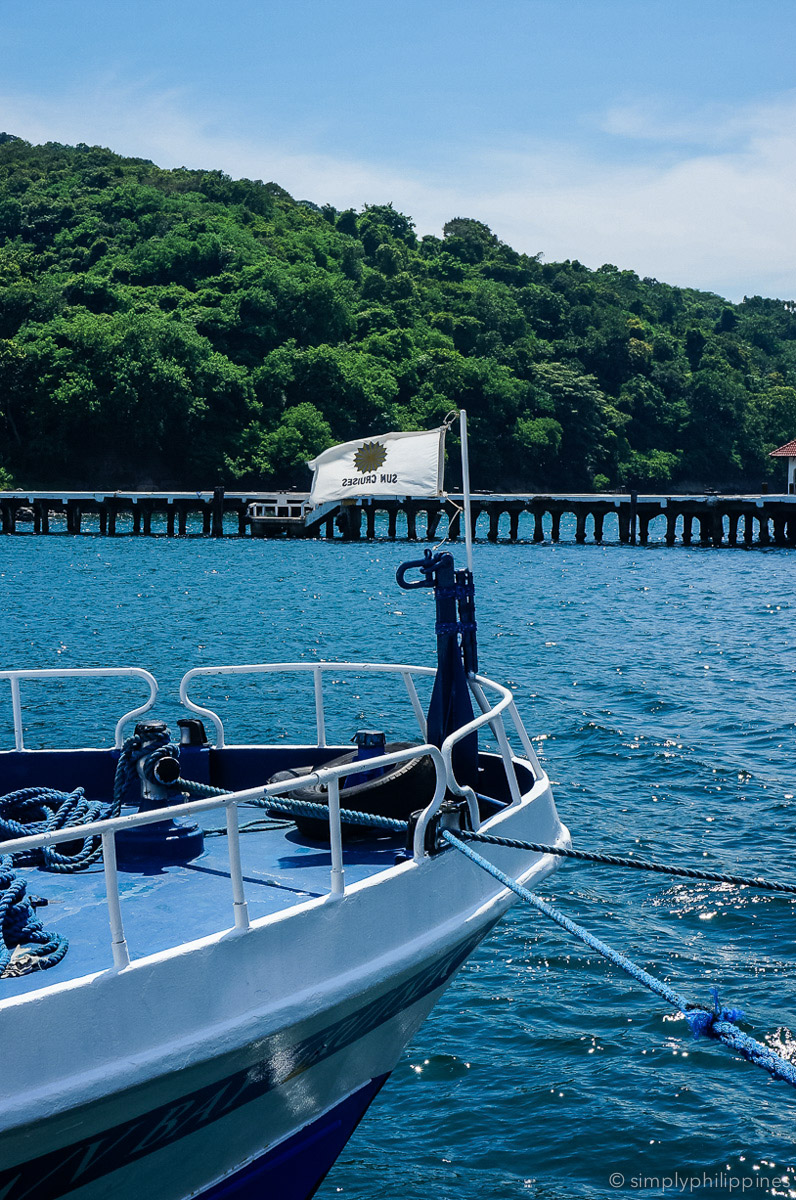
(409, 683)
(16, 708)
(526, 742)
(499, 730)
(320, 719)
(335, 838)
(121, 956)
(235, 872)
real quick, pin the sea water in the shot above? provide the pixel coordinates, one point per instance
(659, 686)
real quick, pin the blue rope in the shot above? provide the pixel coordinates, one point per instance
(126, 785)
(193, 788)
(23, 813)
(20, 927)
(348, 816)
(46, 810)
(719, 1023)
(638, 864)
(300, 808)
(42, 810)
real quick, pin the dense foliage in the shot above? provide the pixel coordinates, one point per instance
(180, 328)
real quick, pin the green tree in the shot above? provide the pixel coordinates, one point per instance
(539, 440)
(586, 419)
(274, 458)
(163, 323)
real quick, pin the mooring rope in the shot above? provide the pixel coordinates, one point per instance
(306, 808)
(718, 1023)
(46, 810)
(20, 927)
(25, 945)
(637, 864)
(194, 788)
(301, 808)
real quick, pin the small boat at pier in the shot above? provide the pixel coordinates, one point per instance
(279, 515)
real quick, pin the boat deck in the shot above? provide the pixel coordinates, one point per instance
(164, 907)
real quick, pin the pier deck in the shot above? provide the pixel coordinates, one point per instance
(758, 519)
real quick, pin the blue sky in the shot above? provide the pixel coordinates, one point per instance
(657, 136)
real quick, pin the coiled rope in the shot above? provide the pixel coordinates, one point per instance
(47, 810)
(25, 945)
(43, 810)
(718, 1023)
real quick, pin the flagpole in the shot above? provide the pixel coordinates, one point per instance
(468, 528)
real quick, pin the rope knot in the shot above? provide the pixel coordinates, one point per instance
(701, 1021)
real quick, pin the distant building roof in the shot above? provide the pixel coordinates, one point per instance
(786, 451)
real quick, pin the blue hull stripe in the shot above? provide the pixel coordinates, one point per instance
(61, 1171)
(296, 1168)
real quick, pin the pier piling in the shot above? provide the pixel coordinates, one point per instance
(624, 526)
(217, 513)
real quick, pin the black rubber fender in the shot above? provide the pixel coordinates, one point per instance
(399, 791)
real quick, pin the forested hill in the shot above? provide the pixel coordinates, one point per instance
(183, 328)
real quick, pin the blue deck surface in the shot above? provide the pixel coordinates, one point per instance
(165, 907)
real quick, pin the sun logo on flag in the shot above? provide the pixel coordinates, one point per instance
(369, 457)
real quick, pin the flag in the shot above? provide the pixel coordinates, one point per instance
(394, 464)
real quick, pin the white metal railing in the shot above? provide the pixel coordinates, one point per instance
(318, 670)
(279, 509)
(107, 830)
(82, 673)
(491, 714)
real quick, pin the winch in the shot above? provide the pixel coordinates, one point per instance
(151, 759)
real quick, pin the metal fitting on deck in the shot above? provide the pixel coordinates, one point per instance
(453, 814)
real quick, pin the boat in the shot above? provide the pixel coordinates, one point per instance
(278, 515)
(255, 931)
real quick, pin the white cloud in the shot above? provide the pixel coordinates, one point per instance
(713, 126)
(704, 201)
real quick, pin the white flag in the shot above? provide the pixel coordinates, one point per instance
(394, 464)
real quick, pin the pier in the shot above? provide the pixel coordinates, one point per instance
(627, 518)
(706, 520)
